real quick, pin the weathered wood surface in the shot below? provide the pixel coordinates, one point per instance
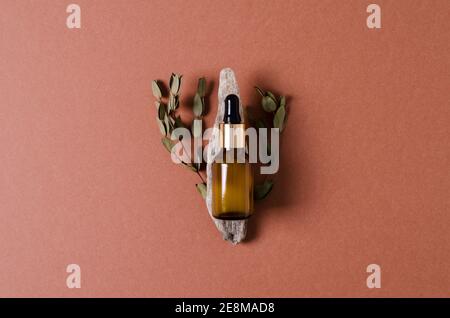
(232, 231)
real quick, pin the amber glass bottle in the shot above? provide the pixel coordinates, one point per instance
(232, 175)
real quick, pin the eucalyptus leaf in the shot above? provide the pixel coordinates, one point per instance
(278, 120)
(161, 111)
(156, 90)
(201, 88)
(271, 95)
(162, 126)
(283, 101)
(262, 190)
(177, 103)
(260, 91)
(201, 187)
(198, 105)
(168, 124)
(175, 84)
(172, 102)
(171, 80)
(268, 104)
(167, 143)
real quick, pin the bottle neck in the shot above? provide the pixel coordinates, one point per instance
(232, 136)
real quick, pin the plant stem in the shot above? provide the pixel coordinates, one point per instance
(188, 154)
(199, 174)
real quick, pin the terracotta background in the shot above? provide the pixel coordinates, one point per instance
(364, 165)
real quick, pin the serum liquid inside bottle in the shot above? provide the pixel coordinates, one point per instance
(232, 175)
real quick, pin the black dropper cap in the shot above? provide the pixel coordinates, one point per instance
(231, 115)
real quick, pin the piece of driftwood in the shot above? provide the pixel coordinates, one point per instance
(232, 231)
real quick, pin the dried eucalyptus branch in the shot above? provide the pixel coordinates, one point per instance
(197, 130)
(276, 107)
(168, 120)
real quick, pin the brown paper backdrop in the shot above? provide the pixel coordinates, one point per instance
(364, 172)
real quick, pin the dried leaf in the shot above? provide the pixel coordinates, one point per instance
(167, 143)
(172, 102)
(175, 83)
(171, 80)
(162, 126)
(161, 111)
(268, 104)
(201, 187)
(201, 88)
(198, 105)
(156, 90)
(167, 122)
(271, 95)
(262, 190)
(278, 120)
(283, 101)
